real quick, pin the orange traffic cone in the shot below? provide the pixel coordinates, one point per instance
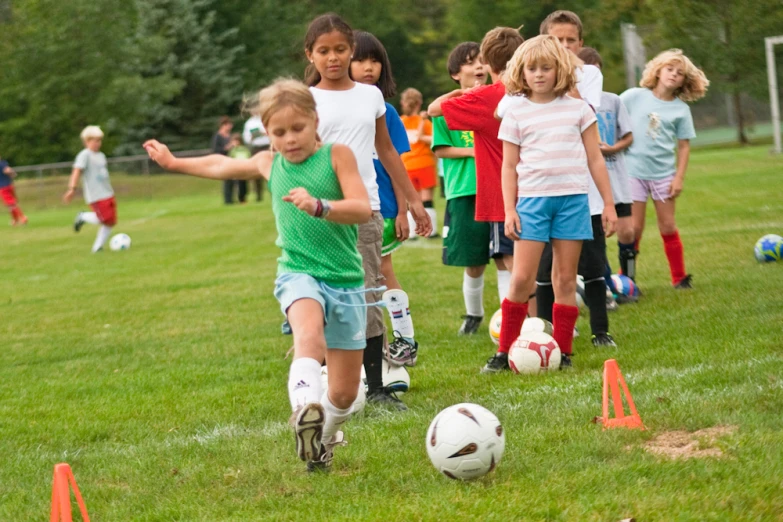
(613, 379)
(61, 495)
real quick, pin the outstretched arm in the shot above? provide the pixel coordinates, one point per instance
(214, 166)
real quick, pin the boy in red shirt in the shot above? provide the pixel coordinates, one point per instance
(474, 109)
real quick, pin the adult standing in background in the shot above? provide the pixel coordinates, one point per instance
(254, 135)
(220, 145)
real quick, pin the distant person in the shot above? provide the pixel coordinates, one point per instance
(236, 149)
(220, 145)
(90, 165)
(8, 195)
(254, 135)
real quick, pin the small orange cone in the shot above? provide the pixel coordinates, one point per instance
(613, 379)
(61, 495)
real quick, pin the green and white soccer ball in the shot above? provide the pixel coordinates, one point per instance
(769, 248)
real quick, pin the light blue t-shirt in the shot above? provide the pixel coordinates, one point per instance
(657, 125)
(399, 138)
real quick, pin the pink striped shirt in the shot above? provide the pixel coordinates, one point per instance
(552, 157)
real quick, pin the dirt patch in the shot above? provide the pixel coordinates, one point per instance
(684, 445)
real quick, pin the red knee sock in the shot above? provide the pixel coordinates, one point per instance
(513, 316)
(672, 245)
(564, 319)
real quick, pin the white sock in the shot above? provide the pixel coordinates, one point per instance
(397, 304)
(90, 217)
(304, 382)
(434, 218)
(335, 418)
(504, 283)
(473, 292)
(100, 238)
(412, 225)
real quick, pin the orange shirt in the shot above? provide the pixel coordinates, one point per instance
(420, 156)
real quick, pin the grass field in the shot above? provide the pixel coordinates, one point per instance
(159, 374)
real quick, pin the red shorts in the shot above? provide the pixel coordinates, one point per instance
(425, 178)
(106, 210)
(8, 195)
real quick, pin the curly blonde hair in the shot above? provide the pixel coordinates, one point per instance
(282, 93)
(541, 49)
(693, 87)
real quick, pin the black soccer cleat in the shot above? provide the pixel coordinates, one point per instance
(565, 362)
(686, 283)
(78, 223)
(496, 364)
(470, 325)
(386, 398)
(605, 340)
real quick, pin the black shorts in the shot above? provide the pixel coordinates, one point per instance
(592, 260)
(623, 210)
(499, 244)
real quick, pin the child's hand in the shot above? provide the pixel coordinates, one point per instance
(422, 219)
(302, 199)
(68, 196)
(609, 219)
(513, 226)
(159, 153)
(606, 150)
(676, 187)
(401, 226)
(424, 116)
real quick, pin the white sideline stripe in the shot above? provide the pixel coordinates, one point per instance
(150, 217)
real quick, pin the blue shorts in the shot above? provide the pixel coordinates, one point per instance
(555, 217)
(345, 313)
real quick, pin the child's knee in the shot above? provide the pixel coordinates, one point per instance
(343, 396)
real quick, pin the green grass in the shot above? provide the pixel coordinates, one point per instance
(159, 374)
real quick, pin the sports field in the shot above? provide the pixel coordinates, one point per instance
(159, 374)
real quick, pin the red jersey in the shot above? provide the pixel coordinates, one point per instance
(476, 111)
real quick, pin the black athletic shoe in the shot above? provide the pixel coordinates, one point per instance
(402, 352)
(685, 283)
(496, 364)
(387, 398)
(565, 362)
(78, 223)
(470, 325)
(604, 339)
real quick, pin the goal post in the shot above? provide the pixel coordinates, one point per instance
(769, 43)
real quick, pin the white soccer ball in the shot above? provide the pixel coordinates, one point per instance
(361, 396)
(536, 324)
(120, 242)
(465, 441)
(396, 378)
(580, 291)
(534, 352)
(494, 326)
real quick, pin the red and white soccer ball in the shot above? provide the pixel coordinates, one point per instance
(534, 352)
(465, 441)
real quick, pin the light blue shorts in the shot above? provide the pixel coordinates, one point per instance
(555, 217)
(345, 312)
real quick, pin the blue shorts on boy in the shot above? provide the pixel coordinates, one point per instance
(345, 315)
(555, 217)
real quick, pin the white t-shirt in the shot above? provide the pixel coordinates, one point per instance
(254, 133)
(348, 117)
(590, 83)
(552, 157)
(95, 175)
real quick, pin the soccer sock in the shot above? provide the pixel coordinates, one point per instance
(545, 297)
(672, 245)
(627, 255)
(564, 321)
(100, 238)
(304, 382)
(433, 216)
(473, 292)
(91, 218)
(412, 226)
(504, 283)
(373, 363)
(595, 299)
(396, 302)
(335, 417)
(513, 316)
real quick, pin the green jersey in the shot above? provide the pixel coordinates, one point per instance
(325, 250)
(459, 174)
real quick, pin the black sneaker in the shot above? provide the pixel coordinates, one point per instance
(685, 283)
(402, 352)
(78, 223)
(565, 362)
(604, 339)
(496, 364)
(470, 325)
(387, 398)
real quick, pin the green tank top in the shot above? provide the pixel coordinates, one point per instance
(325, 250)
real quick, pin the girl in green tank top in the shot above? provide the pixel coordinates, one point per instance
(318, 200)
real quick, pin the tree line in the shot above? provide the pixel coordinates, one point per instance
(170, 68)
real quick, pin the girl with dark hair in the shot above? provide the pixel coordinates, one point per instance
(353, 114)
